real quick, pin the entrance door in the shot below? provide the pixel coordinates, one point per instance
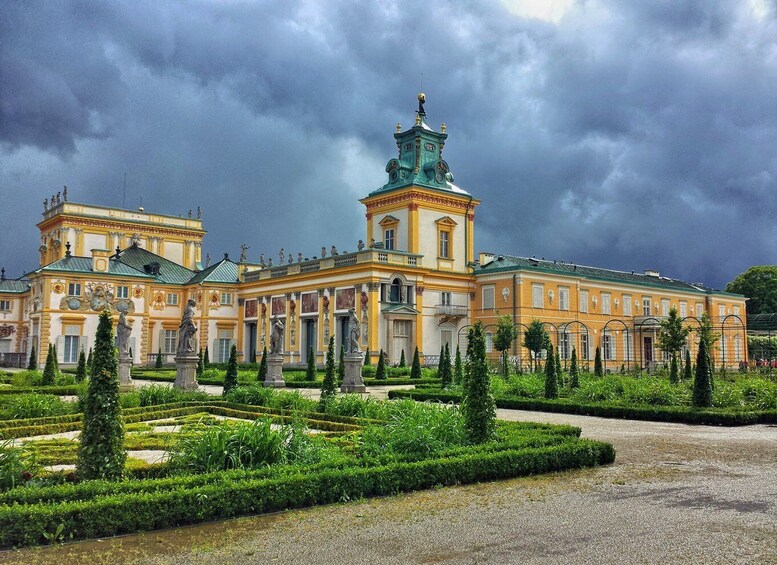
(648, 349)
(342, 334)
(310, 339)
(401, 342)
(251, 337)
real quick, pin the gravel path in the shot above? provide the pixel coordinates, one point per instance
(677, 494)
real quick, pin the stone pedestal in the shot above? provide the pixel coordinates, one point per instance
(274, 376)
(186, 371)
(353, 381)
(125, 380)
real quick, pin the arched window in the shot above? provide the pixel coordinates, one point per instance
(395, 291)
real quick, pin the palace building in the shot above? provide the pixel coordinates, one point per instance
(414, 281)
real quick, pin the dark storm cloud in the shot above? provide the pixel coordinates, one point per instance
(625, 134)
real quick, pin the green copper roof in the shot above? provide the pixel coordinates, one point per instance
(225, 271)
(503, 263)
(74, 264)
(141, 260)
(14, 286)
(420, 161)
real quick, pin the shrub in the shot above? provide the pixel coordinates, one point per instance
(369, 371)
(559, 372)
(367, 361)
(255, 394)
(758, 393)
(101, 451)
(310, 373)
(688, 369)
(574, 374)
(206, 358)
(16, 465)
(341, 364)
(444, 371)
(702, 382)
(329, 386)
(598, 370)
(402, 362)
(230, 379)
(478, 406)
(36, 406)
(262, 375)
(380, 373)
(49, 371)
(598, 390)
(200, 365)
(354, 405)
(458, 368)
(158, 394)
(674, 371)
(89, 361)
(551, 379)
(528, 386)
(415, 372)
(32, 364)
(81, 369)
(158, 363)
(27, 379)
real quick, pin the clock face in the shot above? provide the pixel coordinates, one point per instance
(429, 146)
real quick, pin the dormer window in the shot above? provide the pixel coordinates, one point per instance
(389, 224)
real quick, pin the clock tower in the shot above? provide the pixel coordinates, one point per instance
(419, 209)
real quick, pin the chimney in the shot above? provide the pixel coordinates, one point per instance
(101, 260)
(486, 258)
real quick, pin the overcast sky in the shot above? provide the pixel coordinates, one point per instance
(623, 134)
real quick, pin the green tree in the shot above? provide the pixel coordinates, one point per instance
(329, 385)
(402, 362)
(200, 365)
(551, 379)
(55, 359)
(535, 339)
(477, 406)
(503, 339)
(310, 373)
(458, 368)
(598, 369)
(158, 363)
(367, 358)
(81, 369)
(574, 374)
(444, 370)
(708, 335)
(101, 448)
(32, 364)
(89, 361)
(206, 358)
(415, 370)
(688, 368)
(559, 371)
(672, 336)
(341, 364)
(262, 365)
(49, 370)
(230, 379)
(380, 372)
(702, 383)
(759, 285)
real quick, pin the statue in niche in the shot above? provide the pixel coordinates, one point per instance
(323, 252)
(276, 337)
(123, 331)
(354, 332)
(186, 330)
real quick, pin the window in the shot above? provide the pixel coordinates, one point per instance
(444, 241)
(122, 292)
(699, 310)
(226, 298)
(445, 298)
(488, 297)
(605, 303)
(584, 301)
(489, 342)
(627, 347)
(563, 345)
(738, 348)
(584, 346)
(563, 298)
(74, 289)
(536, 296)
(627, 305)
(722, 310)
(224, 345)
(172, 299)
(170, 338)
(736, 311)
(446, 338)
(388, 239)
(664, 306)
(72, 337)
(5, 305)
(683, 309)
(395, 291)
(646, 306)
(608, 347)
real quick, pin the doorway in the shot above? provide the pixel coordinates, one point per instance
(309, 337)
(251, 337)
(401, 342)
(648, 349)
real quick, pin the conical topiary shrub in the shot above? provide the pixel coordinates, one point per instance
(50, 369)
(415, 370)
(574, 373)
(380, 372)
(310, 373)
(230, 378)
(262, 375)
(329, 385)
(598, 369)
(551, 379)
(81, 369)
(32, 364)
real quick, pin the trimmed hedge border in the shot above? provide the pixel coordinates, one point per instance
(22, 524)
(65, 390)
(678, 414)
(295, 384)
